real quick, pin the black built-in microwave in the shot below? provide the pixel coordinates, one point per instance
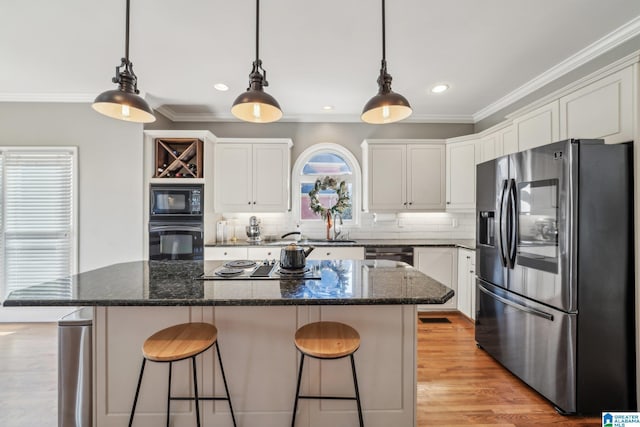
(168, 200)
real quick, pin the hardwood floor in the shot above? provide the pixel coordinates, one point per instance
(458, 384)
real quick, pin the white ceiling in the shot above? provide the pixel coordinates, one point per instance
(316, 52)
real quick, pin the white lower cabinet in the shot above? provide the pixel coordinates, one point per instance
(440, 264)
(342, 252)
(223, 253)
(466, 282)
(262, 253)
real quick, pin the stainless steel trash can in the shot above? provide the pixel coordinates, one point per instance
(75, 369)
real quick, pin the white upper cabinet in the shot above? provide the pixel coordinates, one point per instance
(497, 144)
(603, 109)
(252, 175)
(461, 175)
(426, 176)
(538, 127)
(404, 176)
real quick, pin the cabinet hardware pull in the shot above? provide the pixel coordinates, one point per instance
(410, 203)
(448, 203)
(254, 203)
(248, 203)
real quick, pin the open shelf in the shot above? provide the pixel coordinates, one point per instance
(178, 158)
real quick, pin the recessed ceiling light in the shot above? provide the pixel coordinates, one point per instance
(327, 107)
(221, 87)
(439, 88)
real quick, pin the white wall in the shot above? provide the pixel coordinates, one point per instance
(110, 173)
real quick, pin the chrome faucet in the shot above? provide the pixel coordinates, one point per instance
(337, 225)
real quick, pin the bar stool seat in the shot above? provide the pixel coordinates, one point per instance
(327, 340)
(180, 342)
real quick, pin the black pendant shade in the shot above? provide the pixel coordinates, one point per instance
(255, 105)
(387, 106)
(124, 103)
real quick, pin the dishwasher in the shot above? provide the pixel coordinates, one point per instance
(75, 369)
(395, 253)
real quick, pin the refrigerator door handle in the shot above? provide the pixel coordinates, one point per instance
(513, 222)
(515, 305)
(502, 234)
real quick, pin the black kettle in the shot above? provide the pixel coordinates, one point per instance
(294, 257)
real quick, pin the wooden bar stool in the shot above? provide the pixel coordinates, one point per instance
(176, 343)
(327, 340)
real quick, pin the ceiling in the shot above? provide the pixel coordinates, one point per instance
(316, 53)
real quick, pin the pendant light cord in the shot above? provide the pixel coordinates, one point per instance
(384, 49)
(126, 43)
(257, 29)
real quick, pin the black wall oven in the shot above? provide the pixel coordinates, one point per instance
(173, 240)
(176, 230)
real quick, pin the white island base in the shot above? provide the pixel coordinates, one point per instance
(261, 363)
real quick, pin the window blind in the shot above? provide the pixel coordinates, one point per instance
(37, 218)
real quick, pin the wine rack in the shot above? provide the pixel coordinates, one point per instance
(178, 158)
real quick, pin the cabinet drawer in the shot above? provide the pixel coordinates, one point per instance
(324, 252)
(264, 253)
(222, 253)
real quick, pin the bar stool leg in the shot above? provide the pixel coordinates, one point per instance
(355, 384)
(135, 399)
(169, 393)
(295, 405)
(224, 380)
(195, 390)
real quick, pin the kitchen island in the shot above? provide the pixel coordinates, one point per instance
(256, 320)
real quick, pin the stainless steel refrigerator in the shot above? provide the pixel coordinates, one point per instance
(555, 271)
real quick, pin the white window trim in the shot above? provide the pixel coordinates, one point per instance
(296, 174)
(75, 191)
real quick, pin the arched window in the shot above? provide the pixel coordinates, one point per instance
(317, 162)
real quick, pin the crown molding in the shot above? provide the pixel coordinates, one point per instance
(606, 43)
(176, 116)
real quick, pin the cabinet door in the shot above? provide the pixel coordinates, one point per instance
(262, 253)
(426, 176)
(538, 127)
(490, 147)
(440, 264)
(233, 178)
(465, 305)
(270, 178)
(509, 141)
(341, 252)
(461, 176)
(223, 253)
(387, 177)
(603, 109)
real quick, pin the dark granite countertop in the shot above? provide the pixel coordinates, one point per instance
(460, 243)
(178, 283)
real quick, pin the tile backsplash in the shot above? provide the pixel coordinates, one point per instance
(433, 225)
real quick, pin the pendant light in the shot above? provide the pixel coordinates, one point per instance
(387, 106)
(255, 105)
(124, 103)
